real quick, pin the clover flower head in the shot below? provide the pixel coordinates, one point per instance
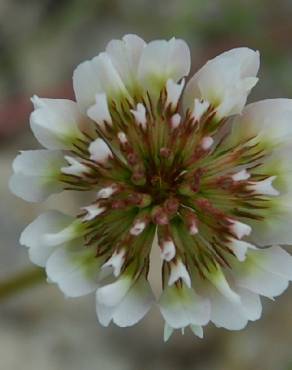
(183, 162)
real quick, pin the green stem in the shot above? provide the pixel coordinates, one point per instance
(21, 281)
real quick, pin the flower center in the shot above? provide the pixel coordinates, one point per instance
(158, 169)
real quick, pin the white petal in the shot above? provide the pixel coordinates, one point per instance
(104, 313)
(225, 81)
(130, 309)
(55, 122)
(99, 112)
(175, 120)
(138, 228)
(200, 107)
(240, 248)
(113, 294)
(226, 314)
(135, 305)
(179, 271)
(239, 229)
(122, 138)
(263, 283)
(49, 222)
(37, 174)
(74, 268)
(275, 228)
(140, 115)
(162, 60)
(276, 164)
(106, 192)
(253, 277)
(116, 261)
(32, 235)
(235, 315)
(274, 259)
(125, 55)
(93, 211)
(173, 92)
(193, 226)
(86, 84)
(168, 330)
(217, 278)
(197, 330)
(109, 78)
(38, 162)
(258, 120)
(99, 151)
(263, 187)
(207, 142)
(241, 175)
(251, 305)
(181, 307)
(235, 100)
(97, 76)
(70, 232)
(168, 250)
(75, 168)
(32, 189)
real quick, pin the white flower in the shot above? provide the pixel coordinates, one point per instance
(125, 302)
(178, 271)
(33, 235)
(200, 108)
(241, 175)
(56, 123)
(163, 60)
(93, 211)
(234, 315)
(239, 248)
(263, 187)
(173, 93)
(167, 250)
(140, 115)
(100, 112)
(116, 261)
(196, 329)
(99, 151)
(150, 152)
(75, 167)
(225, 81)
(239, 229)
(106, 192)
(181, 306)
(207, 142)
(67, 262)
(138, 227)
(265, 272)
(37, 174)
(74, 269)
(175, 120)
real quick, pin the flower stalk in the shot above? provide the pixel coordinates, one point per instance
(21, 282)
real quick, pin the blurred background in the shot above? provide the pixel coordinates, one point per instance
(41, 42)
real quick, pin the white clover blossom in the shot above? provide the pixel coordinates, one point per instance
(183, 160)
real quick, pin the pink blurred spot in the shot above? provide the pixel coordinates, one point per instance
(15, 110)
